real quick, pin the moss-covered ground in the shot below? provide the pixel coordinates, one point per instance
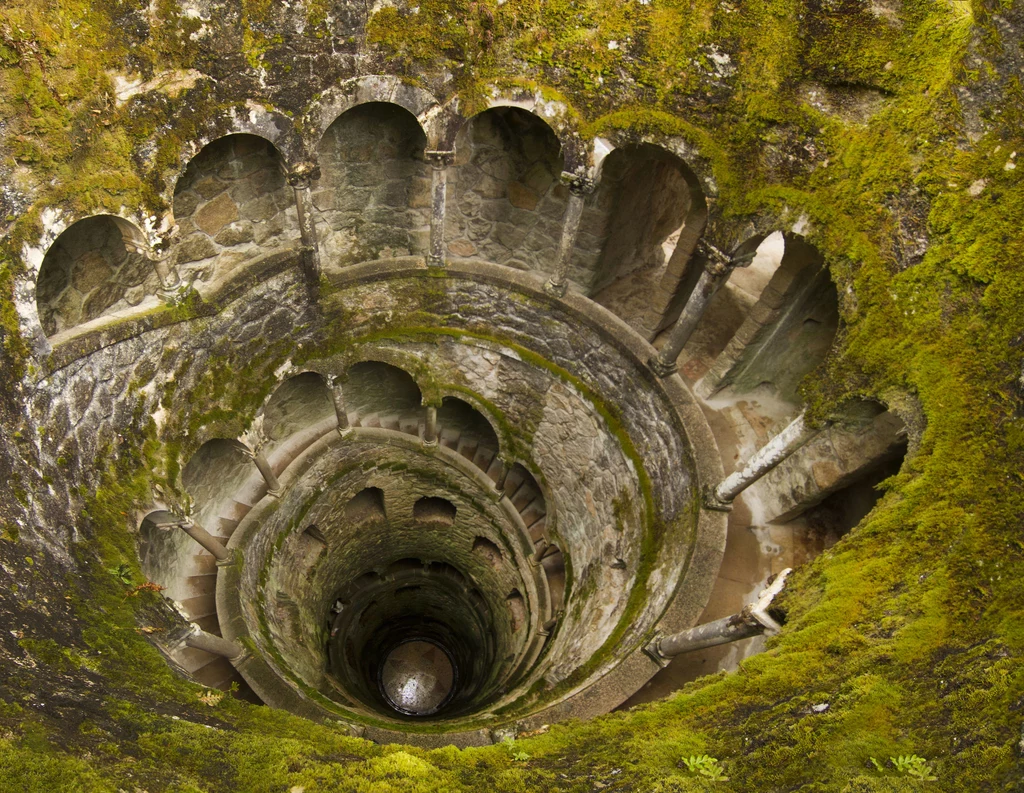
(910, 630)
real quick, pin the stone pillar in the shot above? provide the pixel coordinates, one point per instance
(579, 188)
(795, 435)
(217, 645)
(301, 179)
(165, 274)
(207, 540)
(499, 486)
(430, 431)
(201, 536)
(439, 163)
(717, 268)
(753, 620)
(263, 464)
(338, 396)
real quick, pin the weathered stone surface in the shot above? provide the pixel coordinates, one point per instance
(235, 234)
(461, 248)
(216, 214)
(521, 196)
(194, 249)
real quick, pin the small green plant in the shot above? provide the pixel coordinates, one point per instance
(911, 765)
(518, 756)
(706, 766)
(122, 573)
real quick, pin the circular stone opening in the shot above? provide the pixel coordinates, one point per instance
(417, 677)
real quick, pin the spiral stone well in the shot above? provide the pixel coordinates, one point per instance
(483, 501)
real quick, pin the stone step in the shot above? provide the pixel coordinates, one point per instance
(513, 482)
(199, 606)
(201, 584)
(224, 527)
(534, 511)
(232, 511)
(523, 496)
(467, 447)
(216, 671)
(449, 438)
(483, 458)
(495, 468)
(409, 425)
(390, 422)
(538, 529)
(210, 623)
(371, 420)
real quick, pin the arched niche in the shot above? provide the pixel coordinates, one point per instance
(786, 333)
(488, 551)
(310, 546)
(90, 272)
(378, 388)
(433, 509)
(465, 429)
(645, 219)
(367, 504)
(298, 403)
(734, 301)
(373, 197)
(213, 477)
(165, 553)
(187, 572)
(516, 608)
(505, 197)
(232, 205)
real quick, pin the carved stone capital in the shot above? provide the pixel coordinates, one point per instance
(653, 652)
(578, 184)
(438, 158)
(717, 262)
(662, 368)
(304, 173)
(713, 502)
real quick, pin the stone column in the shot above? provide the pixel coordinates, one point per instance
(795, 435)
(217, 645)
(207, 540)
(499, 485)
(439, 163)
(201, 536)
(430, 431)
(165, 274)
(717, 268)
(338, 395)
(301, 179)
(753, 620)
(579, 188)
(263, 465)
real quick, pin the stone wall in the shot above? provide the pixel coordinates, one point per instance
(505, 198)
(231, 205)
(373, 196)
